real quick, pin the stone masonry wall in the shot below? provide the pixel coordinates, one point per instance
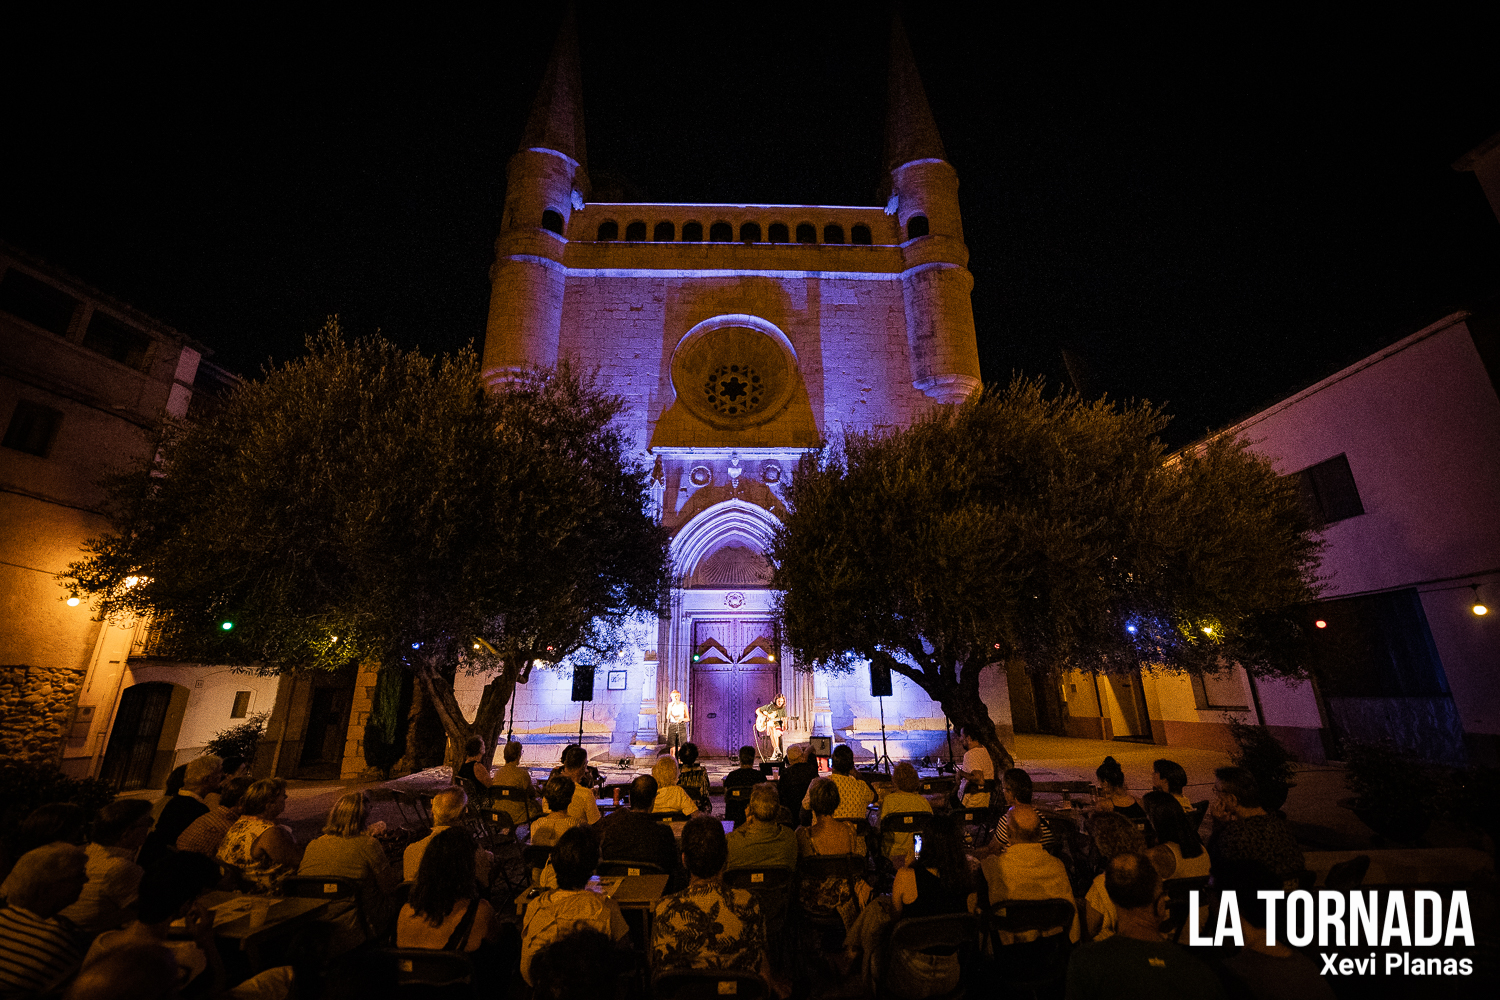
(34, 707)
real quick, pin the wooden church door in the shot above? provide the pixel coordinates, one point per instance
(734, 671)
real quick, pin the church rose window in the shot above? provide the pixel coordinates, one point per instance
(609, 230)
(734, 390)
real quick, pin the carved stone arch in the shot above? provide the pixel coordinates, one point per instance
(726, 523)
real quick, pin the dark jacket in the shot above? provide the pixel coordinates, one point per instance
(175, 817)
(794, 782)
(734, 779)
(629, 835)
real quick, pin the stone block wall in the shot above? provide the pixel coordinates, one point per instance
(35, 703)
(354, 767)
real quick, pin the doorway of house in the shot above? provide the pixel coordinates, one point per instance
(736, 669)
(1134, 722)
(327, 728)
(131, 752)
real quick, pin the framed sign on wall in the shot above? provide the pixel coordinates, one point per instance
(617, 680)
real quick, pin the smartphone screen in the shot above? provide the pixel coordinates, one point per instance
(918, 838)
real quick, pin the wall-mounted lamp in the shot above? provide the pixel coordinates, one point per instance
(72, 602)
(1478, 608)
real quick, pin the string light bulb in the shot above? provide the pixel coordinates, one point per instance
(1478, 608)
(72, 602)
(1320, 623)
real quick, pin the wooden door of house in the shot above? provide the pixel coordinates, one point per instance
(133, 738)
(735, 669)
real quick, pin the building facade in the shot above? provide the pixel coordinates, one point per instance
(740, 336)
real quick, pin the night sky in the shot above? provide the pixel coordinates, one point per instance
(1207, 214)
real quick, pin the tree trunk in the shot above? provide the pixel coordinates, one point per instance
(968, 710)
(489, 719)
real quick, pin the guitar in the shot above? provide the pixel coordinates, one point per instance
(765, 723)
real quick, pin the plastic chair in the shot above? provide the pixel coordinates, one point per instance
(772, 888)
(909, 822)
(938, 786)
(692, 984)
(332, 889)
(815, 868)
(508, 793)
(737, 796)
(1042, 962)
(432, 968)
(984, 818)
(1349, 874)
(945, 934)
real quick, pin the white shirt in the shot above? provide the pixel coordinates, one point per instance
(977, 759)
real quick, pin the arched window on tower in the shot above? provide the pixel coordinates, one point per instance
(720, 232)
(609, 229)
(750, 232)
(552, 221)
(860, 235)
(916, 226)
(635, 231)
(664, 232)
(692, 232)
(833, 233)
(806, 233)
(779, 233)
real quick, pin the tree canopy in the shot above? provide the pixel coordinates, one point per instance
(1049, 530)
(368, 502)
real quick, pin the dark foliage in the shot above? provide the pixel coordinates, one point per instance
(1264, 756)
(25, 786)
(239, 741)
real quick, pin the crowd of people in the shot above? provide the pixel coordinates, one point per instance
(91, 898)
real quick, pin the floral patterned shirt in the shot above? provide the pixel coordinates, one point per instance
(708, 926)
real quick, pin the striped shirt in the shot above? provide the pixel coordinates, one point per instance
(1002, 832)
(36, 953)
(204, 834)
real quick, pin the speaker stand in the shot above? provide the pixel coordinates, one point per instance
(948, 732)
(581, 706)
(884, 753)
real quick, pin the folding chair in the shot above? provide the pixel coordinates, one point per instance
(947, 934)
(507, 794)
(736, 800)
(772, 888)
(1032, 963)
(615, 866)
(814, 869)
(432, 969)
(332, 889)
(703, 984)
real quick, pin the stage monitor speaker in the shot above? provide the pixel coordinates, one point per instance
(880, 680)
(583, 682)
(820, 746)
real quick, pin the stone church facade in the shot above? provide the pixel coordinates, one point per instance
(740, 336)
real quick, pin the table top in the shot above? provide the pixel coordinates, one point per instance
(679, 825)
(233, 911)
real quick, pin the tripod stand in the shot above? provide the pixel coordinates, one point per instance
(885, 757)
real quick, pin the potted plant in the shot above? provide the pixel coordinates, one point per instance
(1393, 793)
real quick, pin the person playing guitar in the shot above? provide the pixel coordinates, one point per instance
(770, 722)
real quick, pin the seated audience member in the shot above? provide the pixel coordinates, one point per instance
(1113, 835)
(203, 776)
(473, 768)
(1114, 797)
(935, 882)
(670, 797)
(234, 767)
(447, 810)
(1016, 785)
(762, 842)
(556, 794)
(1136, 962)
(558, 912)
(577, 966)
(634, 834)
(826, 835)
(1178, 852)
(132, 972)
(797, 776)
(175, 779)
(906, 798)
(39, 951)
(204, 834)
(259, 848)
(119, 831)
(708, 925)
(746, 774)
(975, 769)
(1260, 971)
(511, 774)
(582, 807)
(170, 891)
(348, 849)
(444, 911)
(691, 776)
(1168, 776)
(1244, 831)
(53, 823)
(1026, 870)
(854, 794)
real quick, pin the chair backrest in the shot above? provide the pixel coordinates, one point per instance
(431, 967)
(909, 822)
(1349, 874)
(691, 984)
(473, 789)
(1018, 916)
(675, 816)
(938, 786)
(1178, 888)
(507, 793)
(974, 816)
(320, 887)
(614, 866)
(760, 879)
(536, 855)
(737, 793)
(941, 934)
(821, 866)
(1200, 810)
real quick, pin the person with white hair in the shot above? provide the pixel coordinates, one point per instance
(447, 810)
(762, 842)
(203, 776)
(670, 796)
(39, 951)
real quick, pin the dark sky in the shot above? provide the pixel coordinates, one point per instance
(1206, 213)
